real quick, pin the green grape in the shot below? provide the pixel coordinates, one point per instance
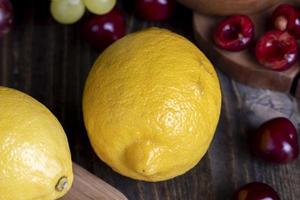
(99, 7)
(67, 11)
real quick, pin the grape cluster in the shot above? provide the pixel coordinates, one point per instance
(106, 24)
(70, 11)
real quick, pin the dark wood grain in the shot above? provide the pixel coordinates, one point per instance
(51, 61)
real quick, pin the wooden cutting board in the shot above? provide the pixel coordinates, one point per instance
(242, 66)
(87, 186)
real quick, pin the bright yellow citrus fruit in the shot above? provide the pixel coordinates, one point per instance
(35, 160)
(151, 105)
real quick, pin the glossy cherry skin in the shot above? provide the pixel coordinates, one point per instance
(256, 191)
(6, 19)
(234, 33)
(277, 50)
(154, 10)
(276, 141)
(102, 30)
(287, 18)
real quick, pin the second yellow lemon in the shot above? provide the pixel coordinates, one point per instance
(35, 160)
(151, 105)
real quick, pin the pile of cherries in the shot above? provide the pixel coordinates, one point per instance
(276, 140)
(276, 49)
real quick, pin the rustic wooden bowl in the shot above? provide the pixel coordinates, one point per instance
(228, 7)
(242, 66)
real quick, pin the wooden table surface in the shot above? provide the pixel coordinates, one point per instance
(51, 61)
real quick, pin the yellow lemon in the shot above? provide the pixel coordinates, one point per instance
(151, 105)
(35, 160)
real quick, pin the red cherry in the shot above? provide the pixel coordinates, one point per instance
(287, 18)
(102, 30)
(277, 50)
(154, 10)
(6, 19)
(256, 191)
(234, 33)
(276, 141)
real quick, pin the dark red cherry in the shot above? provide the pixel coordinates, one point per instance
(6, 17)
(154, 10)
(287, 18)
(256, 191)
(102, 30)
(276, 50)
(276, 141)
(234, 33)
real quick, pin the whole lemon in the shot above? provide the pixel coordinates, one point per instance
(35, 160)
(151, 105)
